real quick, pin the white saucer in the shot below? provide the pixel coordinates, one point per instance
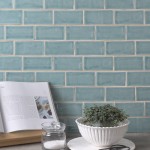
(79, 143)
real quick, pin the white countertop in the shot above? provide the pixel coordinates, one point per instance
(142, 142)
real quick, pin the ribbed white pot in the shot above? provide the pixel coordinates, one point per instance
(102, 136)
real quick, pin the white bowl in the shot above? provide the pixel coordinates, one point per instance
(102, 136)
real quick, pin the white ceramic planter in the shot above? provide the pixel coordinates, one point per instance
(102, 136)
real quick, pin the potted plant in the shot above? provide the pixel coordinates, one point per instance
(103, 126)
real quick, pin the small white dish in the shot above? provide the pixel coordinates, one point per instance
(79, 143)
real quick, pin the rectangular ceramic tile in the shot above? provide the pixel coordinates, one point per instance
(55, 78)
(110, 32)
(20, 76)
(98, 17)
(66, 109)
(142, 47)
(37, 17)
(29, 4)
(139, 125)
(129, 17)
(120, 94)
(147, 107)
(29, 48)
(124, 63)
(120, 48)
(59, 4)
(37, 63)
(147, 63)
(63, 94)
(49, 33)
(90, 94)
(59, 48)
(89, 48)
(119, 4)
(80, 33)
(138, 78)
(10, 17)
(111, 79)
(98, 63)
(80, 78)
(68, 63)
(6, 48)
(142, 93)
(140, 4)
(19, 32)
(10, 63)
(138, 32)
(68, 17)
(6, 4)
(132, 109)
(92, 4)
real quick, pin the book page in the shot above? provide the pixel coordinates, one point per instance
(26, 105)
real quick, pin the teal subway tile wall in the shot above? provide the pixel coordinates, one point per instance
(90, 51)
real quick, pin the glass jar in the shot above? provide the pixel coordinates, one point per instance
(53, 136)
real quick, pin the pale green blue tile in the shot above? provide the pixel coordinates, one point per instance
(138, 78)
(59, 4)
(6, 48)
(98, 17)
(119, 4)
(80, 33)
(49, 33)
(92, 104)
(68, 17)
(92, 4)
(98, 63)
(54, 78)
(19, 32)
(10, 63)
(142, 93)
(129, 17)
(132, 109)
(120, 94)
(66, 109)
(142, 4)
(20, 76)
(63, 94)
(37, 17)
(138, 32)
(110, 32)
(37, 63)
(111, 78)
(71, 126)
(142, 47)
(28, 4)
(147, 17)
(147, 63)
(29, 48)
(89, 48)
(10, 17)
(6, 4)
(80, 78)
(1, 76)
(59, 48)
(128, 63)
(139, 125)
(90, 94)
(1, 32)
(119, 48)
(68, 63)
(147, 109)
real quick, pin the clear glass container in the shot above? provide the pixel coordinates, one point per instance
(53, 136)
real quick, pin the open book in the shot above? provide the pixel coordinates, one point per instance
(25, 106)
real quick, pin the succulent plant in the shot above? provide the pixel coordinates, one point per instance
(104, 116)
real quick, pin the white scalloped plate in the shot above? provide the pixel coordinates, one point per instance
(79, 143)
